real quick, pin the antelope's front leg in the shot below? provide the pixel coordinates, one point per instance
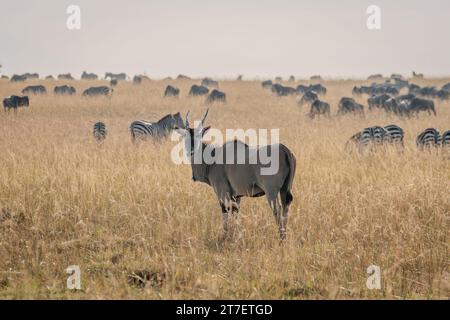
(226, 206)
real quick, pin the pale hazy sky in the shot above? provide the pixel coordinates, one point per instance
(257, 38)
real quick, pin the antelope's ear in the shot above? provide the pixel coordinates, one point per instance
(181, 131)
(205, 130)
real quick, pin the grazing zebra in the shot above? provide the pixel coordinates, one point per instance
(100, 131)
(428, 138)
(394, 134)
(445, 139)
(142, 129)
(366, 139)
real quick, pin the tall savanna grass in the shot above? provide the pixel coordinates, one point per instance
(123, 212)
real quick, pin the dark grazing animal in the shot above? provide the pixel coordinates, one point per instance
(216, 96)
(417, 105)
(88, 76)
(291, 79)
(446, 87)
(183, 77)
(319, 108)
(282, 91)
(18, 78)
(267, 84)
(171, 91)
(308, 98)
(117, 76)
(14, 102)
(207, 82)
(64, 90)
(318, 88)
(113, 83)
(96, 91)
(428, 138)
(49, 77)
(142, 129)
(99, 131)
(65, 76)
(39, 89)
(137, 79)
(349, 105)
(243, 176)
(377, 101)
(198, 90)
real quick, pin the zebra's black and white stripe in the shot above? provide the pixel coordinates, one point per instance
(142, 129)
(445, 140)
(100, 132)
(428, 138)
(394, 134)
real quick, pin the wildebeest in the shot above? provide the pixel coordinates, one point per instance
(183, 77)
(137, 79)
(242, 175)
(117, 76)
(207, 82)
(291, 79)
(417, 104)
(308, 98)
(316, 78)
(171, 91)
(282, 91)
(377, 101)
(96, 91)
(113, 83)
(99, 131)
(428, 138)
(49, 77)
(446, 87)
(349, 105)
(15, 102)
(88, 76)
(267, 84)
(39, 89)
(198, 90)
(417, 75)
(18, 78)
(319, 108)
(240, 77)
(62, 90)
(216, 96)
(318, 88)
(142, 129)
(5, 77)
(65, 76)
(375, 77)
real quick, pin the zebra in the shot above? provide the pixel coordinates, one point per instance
(445, 139)
(142, 129)
(394, 134)
(100, 132)
(367, 138)
(428, 138)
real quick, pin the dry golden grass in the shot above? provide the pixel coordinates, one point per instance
(119, 208)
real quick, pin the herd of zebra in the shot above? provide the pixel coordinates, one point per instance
(374, 137)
